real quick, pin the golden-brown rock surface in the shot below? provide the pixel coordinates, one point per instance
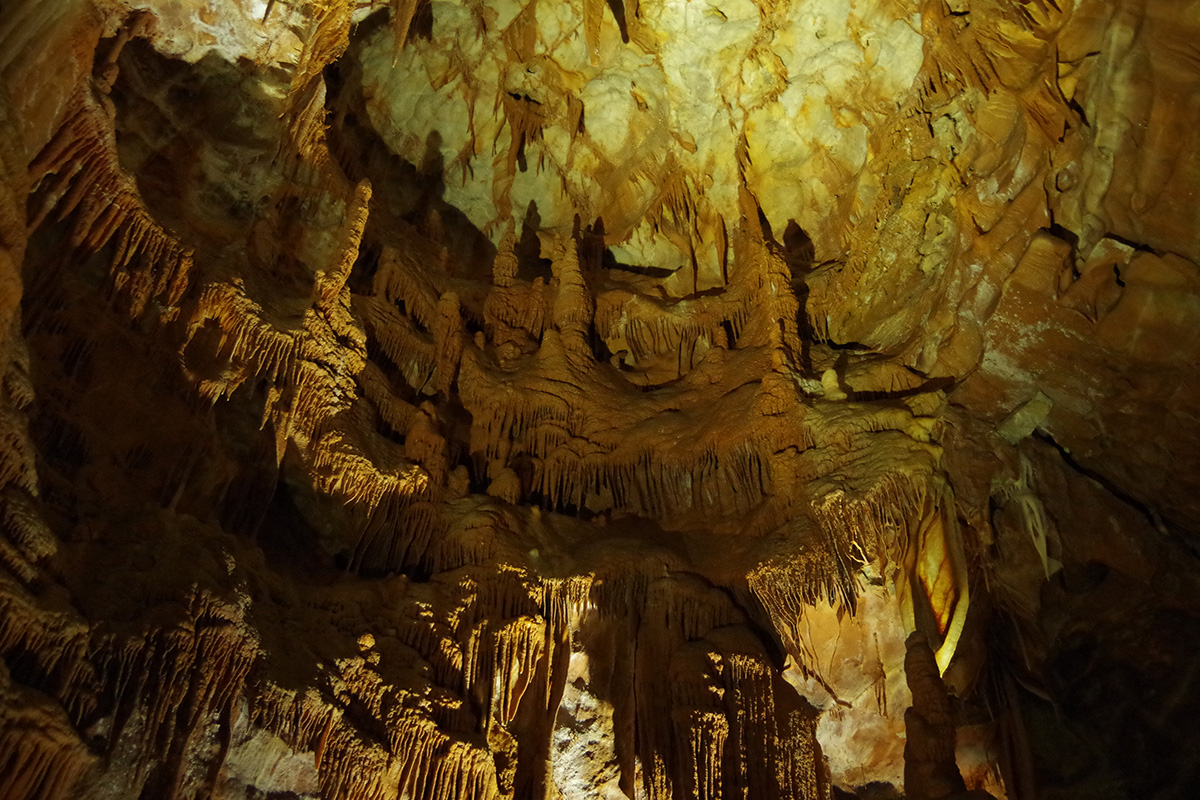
(655, 399)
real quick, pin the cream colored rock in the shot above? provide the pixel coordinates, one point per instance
(798, 90)
(852, 669)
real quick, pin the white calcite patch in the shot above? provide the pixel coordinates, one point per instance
(232, 29)
(860, 659)
(262, 760)
(583, 756)
(847, 67)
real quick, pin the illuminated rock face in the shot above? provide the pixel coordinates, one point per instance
(647, 120)
(598, 399)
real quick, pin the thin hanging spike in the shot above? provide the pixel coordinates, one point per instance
(403, 12)
(593, 11)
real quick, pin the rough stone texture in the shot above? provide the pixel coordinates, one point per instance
(652, 399)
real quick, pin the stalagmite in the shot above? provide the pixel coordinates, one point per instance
(930, 771)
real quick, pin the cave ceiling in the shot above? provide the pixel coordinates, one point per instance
(651, 399)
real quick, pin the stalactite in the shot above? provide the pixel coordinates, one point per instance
(787, 585)
(593, 13)
(1033, 514)
(410, 350)
(706, 733)
(17, 381)
(41, 755)
(470, 537)
(331, 281)
(426, 446)
(378, 389)
(403, 12)
(327, 38)
(77, 175)
(936, 566)
(346, 471)
(179, 676)
(27, 539)
(518, 647)
(652, 327)
(399, 278)
(420, 758)
(56, 640)
(16, 451)
(597, 407)
(304, 395)
(525, 123)
(448, 335)
(248, 341)
(864, 523)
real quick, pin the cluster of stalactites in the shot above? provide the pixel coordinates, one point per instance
(711, 717)
(906, 529)
(714, 718)
(78, 180)
(563, 421)
(553, 421)
(40, 754)
(157, 690)
(27, 539)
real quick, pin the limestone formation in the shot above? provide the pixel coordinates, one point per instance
(463, 400)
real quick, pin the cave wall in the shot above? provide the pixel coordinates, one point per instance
(620, 400)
